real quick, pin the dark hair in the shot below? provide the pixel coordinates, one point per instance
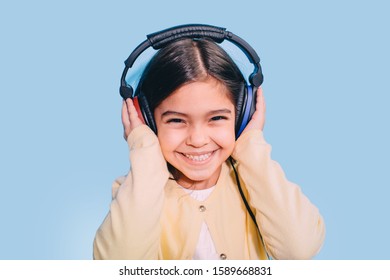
(186, 61)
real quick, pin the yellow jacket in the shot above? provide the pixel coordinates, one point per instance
(151, 217)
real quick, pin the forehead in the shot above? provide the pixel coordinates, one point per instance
(209, 93)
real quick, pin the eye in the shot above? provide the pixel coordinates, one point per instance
(218, 118)
(175, 120)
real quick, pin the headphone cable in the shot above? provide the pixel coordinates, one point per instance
(248, 208)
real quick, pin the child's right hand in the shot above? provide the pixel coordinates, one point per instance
(130, 119)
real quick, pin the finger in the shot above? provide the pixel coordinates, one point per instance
(262, 109)
(125, 121)
(263, 100)
(133, 114)
(125, 114)
(131, 109)
(260, 99)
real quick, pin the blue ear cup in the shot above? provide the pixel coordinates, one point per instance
(246, 109)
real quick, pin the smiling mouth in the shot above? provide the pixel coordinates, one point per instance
(198, 158)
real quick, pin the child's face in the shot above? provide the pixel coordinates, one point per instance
(195, 127)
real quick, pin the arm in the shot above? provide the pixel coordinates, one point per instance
(131, 230)
(290, 224)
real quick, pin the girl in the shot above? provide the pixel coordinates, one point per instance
(180, 199)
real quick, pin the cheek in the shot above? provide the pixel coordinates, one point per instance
(225, 138)
(169, 140)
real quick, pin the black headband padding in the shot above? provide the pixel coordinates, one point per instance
(162, 38)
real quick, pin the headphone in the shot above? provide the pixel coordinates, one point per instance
(246, 103)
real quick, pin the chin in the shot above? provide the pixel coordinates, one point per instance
(197, 176)
(205, 178)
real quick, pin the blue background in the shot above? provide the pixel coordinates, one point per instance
(326, 66)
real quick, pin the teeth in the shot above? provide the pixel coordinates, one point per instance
(198, 158)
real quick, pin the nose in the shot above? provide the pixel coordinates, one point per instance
(197, 137)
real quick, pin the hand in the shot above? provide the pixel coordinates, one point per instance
(130, 119)
(258, 119)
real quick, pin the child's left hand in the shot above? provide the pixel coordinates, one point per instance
(258, 119)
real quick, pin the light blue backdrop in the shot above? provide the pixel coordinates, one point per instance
(326, 66)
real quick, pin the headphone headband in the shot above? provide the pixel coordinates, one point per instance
(162, 38)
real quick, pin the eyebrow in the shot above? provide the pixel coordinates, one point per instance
(213, 112)
(169, 113)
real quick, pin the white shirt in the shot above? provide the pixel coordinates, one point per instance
(205, 249)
